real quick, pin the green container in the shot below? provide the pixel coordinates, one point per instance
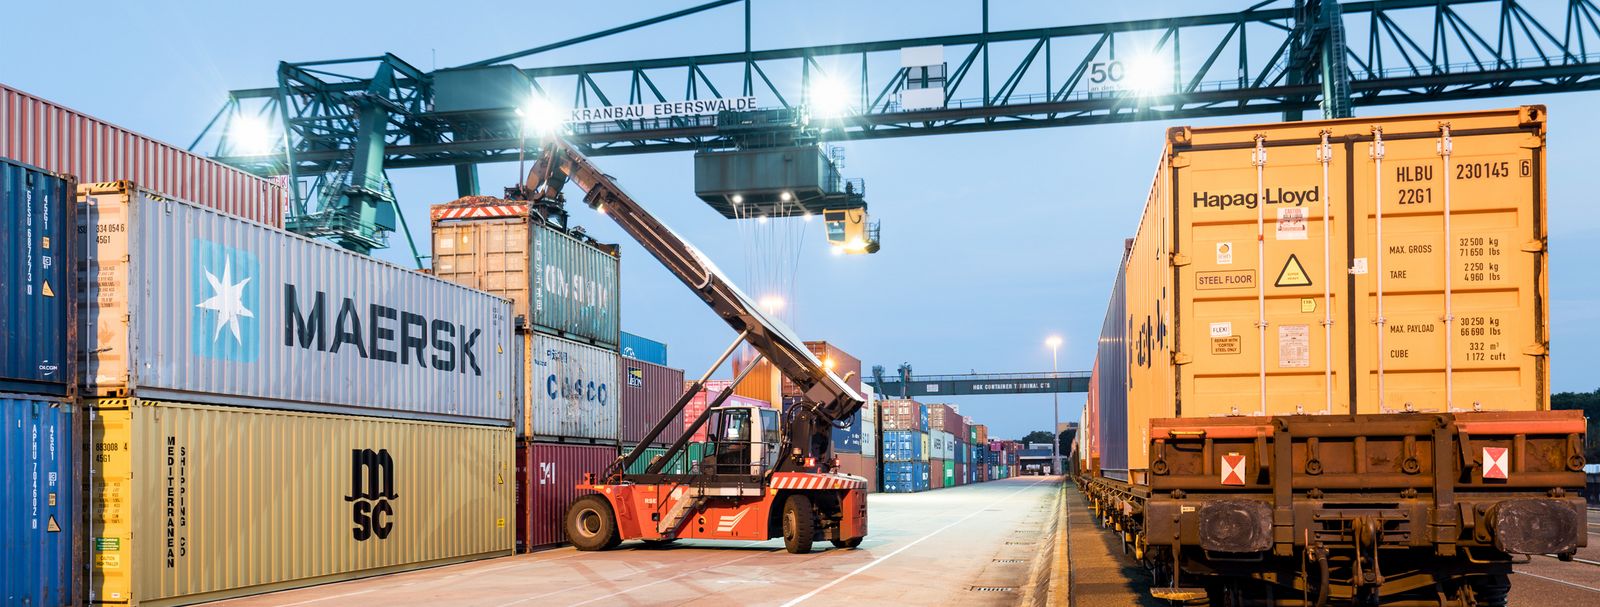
(675, 466)
(949, 473)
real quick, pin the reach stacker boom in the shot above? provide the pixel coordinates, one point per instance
(766, 473)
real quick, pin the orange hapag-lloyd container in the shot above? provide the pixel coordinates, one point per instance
(1369, 265)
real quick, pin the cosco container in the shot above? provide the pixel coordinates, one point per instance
(36, 293)
(643, 348)
(905, 477)
(648, 392)
(39, 504)
(903, 414)
(547, 479)
(570, 391)
(62, 140)
(558, 282)
(185, 303)
(1387, 264)
(193, 503)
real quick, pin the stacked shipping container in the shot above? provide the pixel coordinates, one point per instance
(564, 294)
(324, 428)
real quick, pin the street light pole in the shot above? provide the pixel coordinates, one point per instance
(1055, 433)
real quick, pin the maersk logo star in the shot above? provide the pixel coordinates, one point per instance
(228, 302)
(225, 293)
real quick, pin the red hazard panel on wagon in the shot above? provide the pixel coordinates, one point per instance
(1233, 469)
(1495, 463)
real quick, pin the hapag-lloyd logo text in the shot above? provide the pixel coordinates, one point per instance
(1274, 196)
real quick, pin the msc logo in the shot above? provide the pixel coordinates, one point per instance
(226, 296)
(371, 493)
(635, 377)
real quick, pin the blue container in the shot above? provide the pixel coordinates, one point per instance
(38, 501)
(640, 348)
(1112, 382)
(36, 288)
(903, 446)
(923, 411)
(848, 440)
(905, 477)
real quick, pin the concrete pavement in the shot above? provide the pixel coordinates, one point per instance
(971, 545)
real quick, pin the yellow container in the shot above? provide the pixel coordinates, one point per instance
(196, 503)
(1367, 265)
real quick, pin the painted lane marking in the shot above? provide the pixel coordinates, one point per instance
(1589, 588)
(802, 598)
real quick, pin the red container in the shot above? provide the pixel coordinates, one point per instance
(648, 391)
(961, 473)
(935, 474)
(862, 466)
(55, 138)
(547, 477)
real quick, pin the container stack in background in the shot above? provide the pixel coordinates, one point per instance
(856, 447)
(278, 403)
(564, 294)
(904, 446)
(42, 424)
(980, 453)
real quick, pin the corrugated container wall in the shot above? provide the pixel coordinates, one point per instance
(1111, 380)
(557, 283)
(862, 466)
(648, 392)
(904, 446)
(706, 395)
(1401, 267)
(869, 425)
(263, 500)
(39, 504)
(937, 474)
(58, 139)
(905, 477)
(643, 348)
(903, 414)
(758, 384)
(36, 291)
(186, 303)
(547, 479)
(571, 391)
(848, 439)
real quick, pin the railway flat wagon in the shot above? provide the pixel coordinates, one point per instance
(1323, 372)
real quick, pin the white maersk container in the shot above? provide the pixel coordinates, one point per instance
(571, 391)
(186, 303)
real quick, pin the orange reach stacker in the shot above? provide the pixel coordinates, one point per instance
(766, 473)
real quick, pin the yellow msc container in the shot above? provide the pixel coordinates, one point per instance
(195, 503)
(1369, 265)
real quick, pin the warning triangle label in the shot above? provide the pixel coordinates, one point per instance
(52, 526)
(1293, 274)
(48, 292)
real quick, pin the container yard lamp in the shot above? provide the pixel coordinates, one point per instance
(1054, 342)
(251, 136)
(540, 116)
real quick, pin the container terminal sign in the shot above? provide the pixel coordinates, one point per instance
(665, 109)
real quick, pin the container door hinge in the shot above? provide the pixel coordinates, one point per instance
(1536, 350)
(1533, 246)
(1179, 358)
(1179, 260)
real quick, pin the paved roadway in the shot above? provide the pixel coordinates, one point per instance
(1545, 581)
(924, 549)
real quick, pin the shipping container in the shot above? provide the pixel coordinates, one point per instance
(869, 437)
(570, 391)
(649, 391)
(958, 474)
(905, 477)
(762, 380)
(194, 503)
(547, 479)
(61, 140)
(561, 283)
(848, 439)
(39, 504)
(643, 348)
(37, 318)
(980, 435)
(1399, 265)
(185, 303)
(862, 466)
(904, 446)
(903, 414)
(937, 474)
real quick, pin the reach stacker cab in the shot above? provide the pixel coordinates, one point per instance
(766, 473)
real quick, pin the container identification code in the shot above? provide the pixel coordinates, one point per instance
(1231, 279)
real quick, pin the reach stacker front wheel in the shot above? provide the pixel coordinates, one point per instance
(591, 524)
(799, 524)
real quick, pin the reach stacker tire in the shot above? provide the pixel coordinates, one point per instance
(799, 524)
(591, 524)
(850, 543)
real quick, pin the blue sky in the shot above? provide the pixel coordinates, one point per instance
(991, 241)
